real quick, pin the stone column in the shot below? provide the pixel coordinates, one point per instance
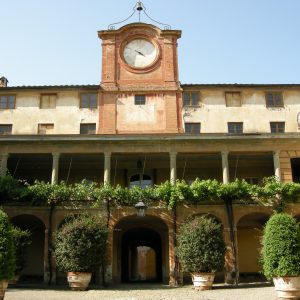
(173, 170)
(46, 257)
(106, 177)
(225, 166)
(276, 161)
(55, 166)
(3, 163)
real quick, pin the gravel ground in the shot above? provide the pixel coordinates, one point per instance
(147, 292)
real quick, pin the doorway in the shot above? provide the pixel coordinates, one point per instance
(141, 256)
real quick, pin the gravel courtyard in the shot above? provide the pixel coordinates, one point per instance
(147, 292)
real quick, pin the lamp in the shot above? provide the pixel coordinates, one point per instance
(141, 208)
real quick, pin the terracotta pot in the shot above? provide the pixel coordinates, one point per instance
(79, 281)
(287, 287)
(3, 286)
(203, 281)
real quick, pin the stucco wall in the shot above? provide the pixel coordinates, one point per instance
(214, 115)
(66, 117)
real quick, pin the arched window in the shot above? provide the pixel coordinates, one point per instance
(141, 180)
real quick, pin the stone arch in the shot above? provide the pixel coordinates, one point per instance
(249, 233)
(33, 271)
(208, 215)
(132, 232)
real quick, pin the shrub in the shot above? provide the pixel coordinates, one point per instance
(7, 250)
(281, 247)
(22, 239)
(80, 244)
(201, 246)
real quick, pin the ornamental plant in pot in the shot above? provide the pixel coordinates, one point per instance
(80, 248)
(201, 250)
(7, 253)
(281, 255)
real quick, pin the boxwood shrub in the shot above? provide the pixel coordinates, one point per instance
(80, 244)
(201, 246)
(281, 247)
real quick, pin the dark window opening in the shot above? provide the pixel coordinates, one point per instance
(7, 102)
(5, 128)
(191, 98)
(139, 100)
(235, 127)
(88, 128)
(192, 127)
(277, 127)
(88, 101)
(274, 100)
(295, 163)
(140, 180)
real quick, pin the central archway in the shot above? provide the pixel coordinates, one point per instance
(141, 256)
(141, 250)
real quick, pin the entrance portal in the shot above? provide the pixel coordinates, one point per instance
(141, 256)
(141, 250)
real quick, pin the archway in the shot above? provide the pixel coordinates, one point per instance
(33, 271)
(141, 250)
(249, 233)
(141, 256)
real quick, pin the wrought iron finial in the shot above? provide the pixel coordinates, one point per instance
(139, 7)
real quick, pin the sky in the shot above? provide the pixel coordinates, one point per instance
(55, 42)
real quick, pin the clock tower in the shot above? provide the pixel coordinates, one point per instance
(140, 91)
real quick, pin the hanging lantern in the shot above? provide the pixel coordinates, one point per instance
(140, 208)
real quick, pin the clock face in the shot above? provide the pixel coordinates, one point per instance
(139, 53)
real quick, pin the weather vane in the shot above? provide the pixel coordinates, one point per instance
(139, 8)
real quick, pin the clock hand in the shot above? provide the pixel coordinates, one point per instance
(140, 53)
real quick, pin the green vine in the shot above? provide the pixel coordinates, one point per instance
(271, 192)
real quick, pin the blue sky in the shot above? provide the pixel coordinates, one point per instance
(45, 42)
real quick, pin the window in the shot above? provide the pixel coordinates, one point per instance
(88, 128)
(252, 180)
(45, 128)
(233, 99)
(277, 127)
(5, 128)
(192, 127)
(48, 101)
(88, 100)
(7, 101)
(141, 180)
(274, 100)
(235, 127)
(139, 100)
(191, 98)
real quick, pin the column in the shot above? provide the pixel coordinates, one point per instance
(46, 257)
(173, 170)
(225, 167)
(55, 166)
(106, 177)
(3, 163)
(276, 161)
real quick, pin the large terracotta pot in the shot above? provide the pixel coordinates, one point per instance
(79, 281)
(287, 287)
(3, 286)
(203, 281)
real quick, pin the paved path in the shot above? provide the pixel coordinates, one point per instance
(146, 292)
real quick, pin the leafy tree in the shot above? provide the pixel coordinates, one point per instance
(201, 247)
(7, 249)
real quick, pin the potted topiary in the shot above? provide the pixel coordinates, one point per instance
(80, 248)
(22, 239)
(7, 253)
(201, 250)
(281, 255)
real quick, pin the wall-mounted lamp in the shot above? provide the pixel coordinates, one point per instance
(141, 208)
